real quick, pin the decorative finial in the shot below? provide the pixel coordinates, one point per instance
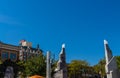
(105, 42)
(63, 45)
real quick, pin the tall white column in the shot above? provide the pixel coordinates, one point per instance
(48, 68)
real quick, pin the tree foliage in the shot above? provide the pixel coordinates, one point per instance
(100, 67)
(33, 66)
(0, 61)
(77, 68)
(118, 61)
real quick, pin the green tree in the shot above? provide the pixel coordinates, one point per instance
(0, 60)
(118, 61)
(33, 66)
(100, 67)
(76, 68)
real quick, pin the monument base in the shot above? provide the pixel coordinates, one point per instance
(60, 74)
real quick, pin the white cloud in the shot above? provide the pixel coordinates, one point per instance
(9, 20)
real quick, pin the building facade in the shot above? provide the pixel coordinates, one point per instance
(8, 51)
(22, 52)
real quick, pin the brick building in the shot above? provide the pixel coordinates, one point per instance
(22, 52)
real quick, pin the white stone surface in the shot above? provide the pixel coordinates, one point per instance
(105, 42)
(111, 65)
(63, 45)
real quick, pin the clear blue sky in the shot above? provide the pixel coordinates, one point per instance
(81, 24)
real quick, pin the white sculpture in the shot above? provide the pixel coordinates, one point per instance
(9, 73)
(111, 65)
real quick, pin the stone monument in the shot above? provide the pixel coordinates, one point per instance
(9, 73)
(111, 65)
(61, 70)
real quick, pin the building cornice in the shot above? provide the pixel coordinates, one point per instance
(8, 46)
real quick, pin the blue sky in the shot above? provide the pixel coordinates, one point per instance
(81, 24)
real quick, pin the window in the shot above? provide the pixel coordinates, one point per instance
(13, 56)
(4, 55)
